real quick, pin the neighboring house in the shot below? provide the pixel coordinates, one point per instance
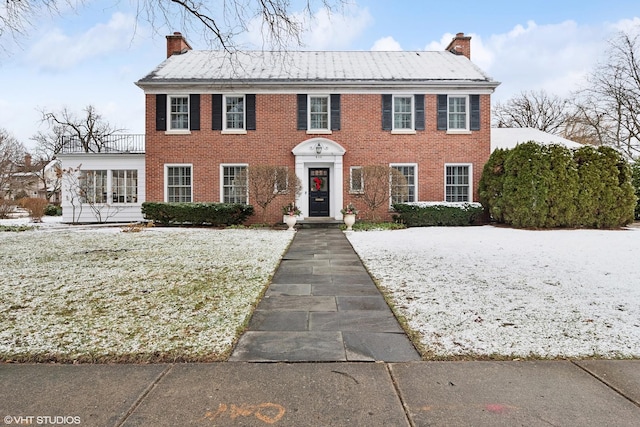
(510, 137)
(34, 179)
(210, 115)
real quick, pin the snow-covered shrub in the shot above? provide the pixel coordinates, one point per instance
(426, 214)
(216, 214)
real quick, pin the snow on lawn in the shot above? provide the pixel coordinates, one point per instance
(100, 294)
(488, 291)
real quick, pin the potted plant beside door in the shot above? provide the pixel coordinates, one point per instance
(349, 216)
(290, 212)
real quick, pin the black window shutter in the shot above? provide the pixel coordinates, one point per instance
(474, 100)
(302, 111)
(161, 112)
(194, 112)
(387, 114)
(419, 112)
(335, 111)
(442, 112)
(250, 104)
(216, 111)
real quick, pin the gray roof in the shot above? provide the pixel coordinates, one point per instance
(325, 67)
(510, 137)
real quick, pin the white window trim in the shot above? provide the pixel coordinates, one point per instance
(467, 129)
(351, 190)
(406, 131)
(232, 131)
(179, 131)
(107, 188)
(470, 166)
(111, 186)
(166, 178)
(224, 165)
(415, 178)
(319, 131)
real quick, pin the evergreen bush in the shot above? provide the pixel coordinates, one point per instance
(215, 214)
(635, 178)
(537, 186)
(491, 185)
(437, 214)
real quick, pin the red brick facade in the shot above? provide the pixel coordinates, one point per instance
(276, 134)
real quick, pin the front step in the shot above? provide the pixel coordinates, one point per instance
(319, 222)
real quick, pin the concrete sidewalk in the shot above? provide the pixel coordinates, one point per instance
(541, 393)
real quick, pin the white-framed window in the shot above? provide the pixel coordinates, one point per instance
(458, 112)
(403, 112)
(178, 183)
(457, 182)
(178, 112)
(234, 112)
(124, 186)
(281, 180)
(356, 183)
(234, 183)
(319, 117)
(403, 190)
(93, 186)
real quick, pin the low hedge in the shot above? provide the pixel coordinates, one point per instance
(437, 214)
(216, 214)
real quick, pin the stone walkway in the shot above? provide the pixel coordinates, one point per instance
(323, 306)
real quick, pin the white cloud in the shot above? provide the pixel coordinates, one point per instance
(57, 50)
(386, 44)
(555, 57)
(328, 31)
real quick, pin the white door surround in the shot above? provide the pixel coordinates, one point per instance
(320, 153)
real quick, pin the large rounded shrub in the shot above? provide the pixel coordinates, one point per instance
(538, 186)
(491, 184)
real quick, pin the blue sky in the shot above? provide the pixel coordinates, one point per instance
(93, 55)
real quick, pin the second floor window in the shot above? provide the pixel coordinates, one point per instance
(402, 112)
(179, 112)
(458, 113)
(319, 112)
(234, 112)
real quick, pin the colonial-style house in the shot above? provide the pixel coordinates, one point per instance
(210, 115)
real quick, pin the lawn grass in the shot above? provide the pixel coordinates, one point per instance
(160, 295)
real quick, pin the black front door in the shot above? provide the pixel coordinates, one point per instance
(319, 192)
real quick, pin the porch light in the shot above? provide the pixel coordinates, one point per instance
(318, 149)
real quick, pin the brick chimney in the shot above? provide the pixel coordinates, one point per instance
(176, 44)
(460, 45)
(27, 160)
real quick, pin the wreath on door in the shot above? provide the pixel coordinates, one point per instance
(318, 182)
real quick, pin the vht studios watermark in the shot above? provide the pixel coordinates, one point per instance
(41, 420)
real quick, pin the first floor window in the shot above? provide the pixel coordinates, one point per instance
(124, 186)
(179, 112)
(281, 180)
(319, 112)
(234, 184)
(403, 184)
(457, 183)
(93, 186)
(402, 112)
(234, 112)
(179, 184)
(356, 184)
(458, 113)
